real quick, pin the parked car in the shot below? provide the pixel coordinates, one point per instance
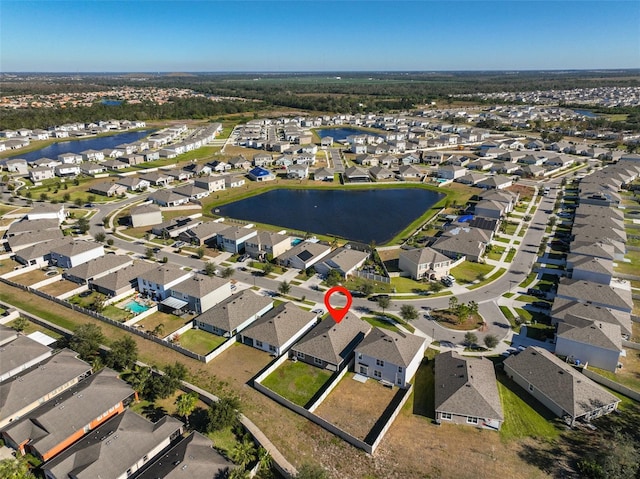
(541, 304)
(376, 297)
(536, 292)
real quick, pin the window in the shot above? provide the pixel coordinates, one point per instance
(380, 362)
(446, 416)
(317, 360)
(364, 370)
(531, 387)
(399, 369)
(472, 420)
(377, 374)
(300, 355)
(272, 348)
(258, 343)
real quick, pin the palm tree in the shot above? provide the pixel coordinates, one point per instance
(243, 453)
(264, 459)
(138, 377)
(185, 404)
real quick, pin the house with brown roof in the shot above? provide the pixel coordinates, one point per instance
(466, 391)
(389, 356)
(558, 386)
(279, 328)
(329, 344)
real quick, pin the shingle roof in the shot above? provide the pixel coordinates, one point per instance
(39, 381)
(28, 226)
(424, 256)
(395, 348)
(58, 419)
(98, 265)
(51, 238)
(573, 392)
(164, 274)
(233, 311)
(565, 308)
(73, 248)
(466, 386)
(113, 448)
(199, 285)
(280, 324)
(596, 293)
(19, 352)
(595, 333)
(143, 209)
(333, 342)
(193, 457)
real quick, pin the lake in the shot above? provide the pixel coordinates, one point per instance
(339, 134)
(587, 113)
(362, 215)
(111, 102)
(77, 146)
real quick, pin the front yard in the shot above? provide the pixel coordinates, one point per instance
(297, 381)
(468, 272)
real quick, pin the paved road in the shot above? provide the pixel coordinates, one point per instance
(336, 160)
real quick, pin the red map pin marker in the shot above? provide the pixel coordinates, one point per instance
(338, 314)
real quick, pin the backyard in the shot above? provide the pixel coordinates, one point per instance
(355, 406)
(297, 381)
(59, 287)
(200, 342)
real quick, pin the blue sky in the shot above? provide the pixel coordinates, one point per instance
(150, 36)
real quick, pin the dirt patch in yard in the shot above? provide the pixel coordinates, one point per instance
(59, 287)
(355, 406)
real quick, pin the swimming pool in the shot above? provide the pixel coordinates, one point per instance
(296, 241)
(136, 307)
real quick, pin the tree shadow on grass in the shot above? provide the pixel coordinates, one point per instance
(199, 420)
(154, 413)
(423, 399)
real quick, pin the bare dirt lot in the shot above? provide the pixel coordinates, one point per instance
(355, 406)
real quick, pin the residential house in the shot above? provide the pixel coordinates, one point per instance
(72, 253)
(367, 160)
(18, 165)
(192, 192)
(91, 169)
(36, 385)
(49, 429)
(123, 281)
(303, 255)
(145, 215)
(279, 328)
(558, 386)
(47, 210)
(174, 227)
(96, 268)
(389, 356)
(92, 155)
(157, 178)
(451, 172)
(267, 245)
(21, 354)
(261, 174)
(70, 158)
(329, 344)
(298, 171)
(195, 454)
(591, 269)
(197, 293)
(343, 260)
(114, 165)
(496, 182)
(168, 198)
(240, 162)
(203, 234)
(594, 293)
(29, 244)
(67, 170)
(29, 227)
(471, 179)
(462, 241)
(233, 238)
(596, 343)
(356, 174)
(323, 174)
(424, 263)
(380, 173)
(41, 173)
(117, 449)
(234, 314)
(210, 183)
(158, 281)
(134, 183)
(490, 209)
(466, 391)
(108, 188)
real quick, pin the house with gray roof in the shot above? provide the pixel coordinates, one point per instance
(389, 356)
(588, 268)
(203, 234)
(558, 386)
(60, 422)
(158, 281)
(490, 209)
(97, 268)
(323, 174)
(233, 238)
(197, 293)
(168, 198)
(595, 343)
(380, 173)
(122, 281)
(466, 391)
(267, 245)
(195, 454)
(27, 226)
(108, 188)
(420, 263)
(234, 314)
(344, 260)
(356, 174)
(595, 293)
(157, 178)
(496, 182)
(279, 328)
(462, 241)
(329, 344)
(20, 354)
(36, 385)
(73, 253)
(117, 449)
(304, 255)
(191, 191)
(145, 215)
(39, 252)
(565, 309)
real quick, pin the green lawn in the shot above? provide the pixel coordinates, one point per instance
(501, 239)
(200, 342)
(528, 280)
(380, 323)
(510, 255)
(523, 416)
(408, 285)
(496, 253)
(467, 271)
(297, 381)
(116, 314)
